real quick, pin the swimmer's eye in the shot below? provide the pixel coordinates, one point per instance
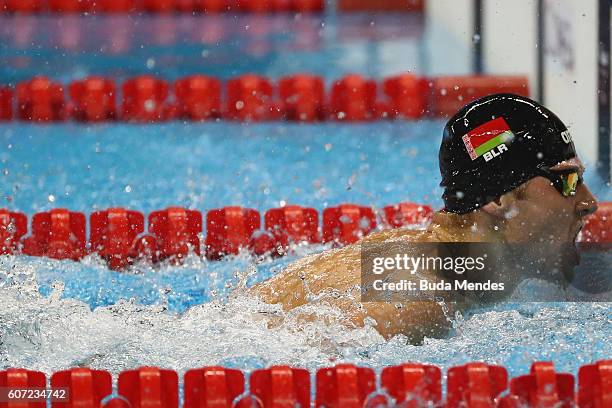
(565, 181)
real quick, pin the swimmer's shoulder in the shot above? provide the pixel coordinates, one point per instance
(402, 234)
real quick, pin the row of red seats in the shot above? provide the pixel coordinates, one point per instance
(473, 385)
(160, 6)
(118, 235)
(250, 98)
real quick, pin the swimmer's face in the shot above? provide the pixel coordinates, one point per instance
(539, 212)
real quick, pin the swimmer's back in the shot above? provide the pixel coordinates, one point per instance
(334, 277)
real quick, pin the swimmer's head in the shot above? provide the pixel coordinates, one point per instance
(515, 160)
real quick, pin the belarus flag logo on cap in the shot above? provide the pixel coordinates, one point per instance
(486, 137)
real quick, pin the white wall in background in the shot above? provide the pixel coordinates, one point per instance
(448, 37)
(510, 48)
(571, 70)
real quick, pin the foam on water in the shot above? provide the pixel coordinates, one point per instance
(54, 332)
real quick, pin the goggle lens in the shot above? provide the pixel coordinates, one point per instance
(570, 183)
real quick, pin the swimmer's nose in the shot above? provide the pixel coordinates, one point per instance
(586, 203)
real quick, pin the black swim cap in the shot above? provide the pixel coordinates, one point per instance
(495, 144)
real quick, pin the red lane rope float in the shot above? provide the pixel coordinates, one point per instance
(300, 97)
(161, 6)
(473, 385)
(118, 235)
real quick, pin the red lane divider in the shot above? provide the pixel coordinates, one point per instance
(249, 98)
(344, 385)
(176, 231)
(58, 234)
(87, 387)
(449, 94)
(595, 385)
(212, 387)
(119, 236)
(13, 227)
(300, 97)
(542, 388)
(160, 6)
(407, 96)
(281, 387)
(413, 384)
(229, 229)
(144, 99)
(473, 385)
(40, 100)
(198, 98)
(93, 99)
(6, 104)
(116, 235)
(18, 378)
(347, 223)
(353, 98)
(293, 224)
(149, 387)
(399, 215)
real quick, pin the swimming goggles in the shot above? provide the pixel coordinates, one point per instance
(565, 181)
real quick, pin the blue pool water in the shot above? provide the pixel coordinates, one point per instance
(57, 314)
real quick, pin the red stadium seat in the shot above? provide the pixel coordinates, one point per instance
(542, 388)
(413, 384)
(595, 385)
(293, 224)
(176, 231)
(449, 94)
(229, 229)
(58, 234)
(86, 387)
(198, 97)
(212, 387)
(144, 99)
(115, 234)
(13, 226)
(404, 214)
(249, 98)
(407, 96)
(302, 98)
(281, 386)
(93, 99)
(6, 104)
(149, 387)
(475, 385)
(347, 223)
(40, 100)
(344, 385)
(21, 379)
(353, 98)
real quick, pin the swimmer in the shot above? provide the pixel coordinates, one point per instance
(510, 174)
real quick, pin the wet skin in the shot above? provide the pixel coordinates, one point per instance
(534, 212)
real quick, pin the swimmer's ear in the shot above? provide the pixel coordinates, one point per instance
(501, 206)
